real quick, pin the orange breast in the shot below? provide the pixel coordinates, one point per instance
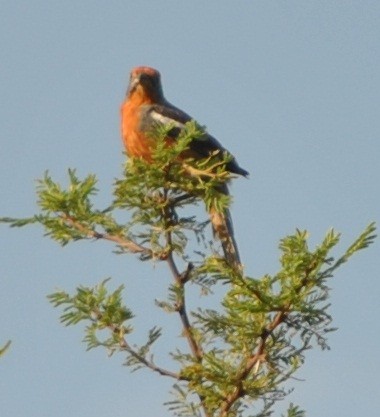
(136, 143)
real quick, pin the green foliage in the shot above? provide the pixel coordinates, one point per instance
(102, 310)
(240, 355)
(167, 186)
(295, 411)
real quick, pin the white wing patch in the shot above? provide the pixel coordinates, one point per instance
(159, 118)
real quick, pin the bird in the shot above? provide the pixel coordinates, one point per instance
(143, 109)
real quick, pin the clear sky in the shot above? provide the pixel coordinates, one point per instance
(292, 88)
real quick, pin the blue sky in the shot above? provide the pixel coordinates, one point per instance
(291, 88)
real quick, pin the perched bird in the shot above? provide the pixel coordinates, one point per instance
(146, 107)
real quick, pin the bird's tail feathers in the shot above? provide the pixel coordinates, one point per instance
(221, 222)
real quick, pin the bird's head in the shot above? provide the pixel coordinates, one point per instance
(145, 82)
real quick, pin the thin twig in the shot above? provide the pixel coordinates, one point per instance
(257, 357)
(92, 234)
(181, 279)
(181, 306)
(124, 345)
(209, 172)
(181, 198)
(260, 354)
(149, 364)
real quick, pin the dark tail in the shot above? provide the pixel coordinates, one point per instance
(223, 229)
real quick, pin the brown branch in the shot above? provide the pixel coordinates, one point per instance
(124, 345)
(194, 172)
(149, 364)
(180, 280)
(92, 234)
(255, 359)
(260, 354)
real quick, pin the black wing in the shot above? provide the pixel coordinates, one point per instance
(167, 113)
